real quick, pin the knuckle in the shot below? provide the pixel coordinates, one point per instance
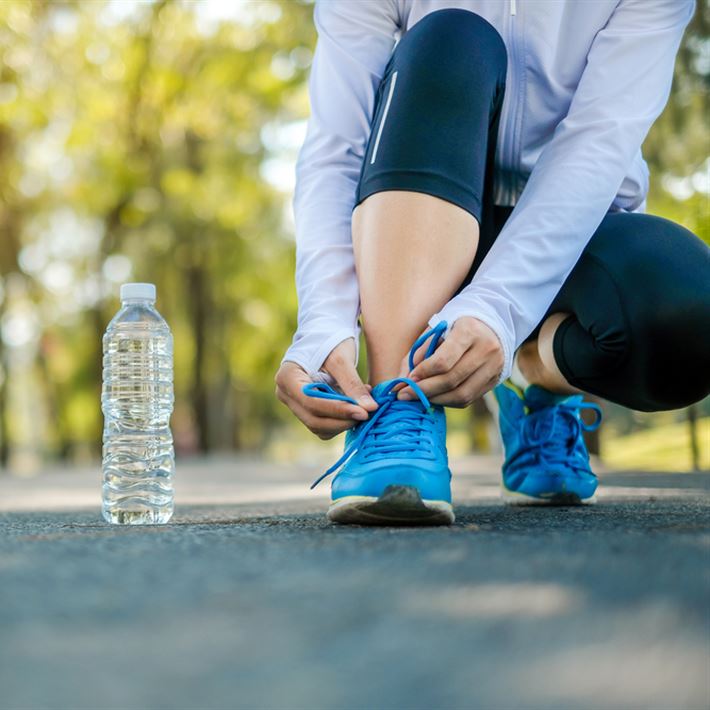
(456, 378)
(429, 371)
(458, 402)
(494, 344)
(420, 372)
(448, 360)
(465, 397)
(450, 379)
(437, 366)
(467, 327)
(352, 382)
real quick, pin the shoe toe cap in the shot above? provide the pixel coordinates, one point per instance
(547, 484)
(432, 483)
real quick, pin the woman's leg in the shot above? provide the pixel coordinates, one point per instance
(418, 230)
(405, 273)
(632, 322)
(425, 185)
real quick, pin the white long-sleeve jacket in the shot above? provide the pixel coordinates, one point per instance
(586, 79)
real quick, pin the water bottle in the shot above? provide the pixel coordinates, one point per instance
(137, 401)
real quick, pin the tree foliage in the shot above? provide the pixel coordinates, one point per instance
(132, 147)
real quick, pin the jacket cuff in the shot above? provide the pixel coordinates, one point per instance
(310, 350)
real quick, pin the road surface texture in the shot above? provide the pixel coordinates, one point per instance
(249, 599)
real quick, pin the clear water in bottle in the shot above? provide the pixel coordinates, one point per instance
(137, 401)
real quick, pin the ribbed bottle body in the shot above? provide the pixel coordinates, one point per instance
(137, 401)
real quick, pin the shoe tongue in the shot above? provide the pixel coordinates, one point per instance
(537, 397)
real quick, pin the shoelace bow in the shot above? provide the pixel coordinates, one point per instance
(396, 426)
(552, 433)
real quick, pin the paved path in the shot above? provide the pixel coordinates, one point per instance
(250, 600)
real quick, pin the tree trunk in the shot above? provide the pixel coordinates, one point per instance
(480, 420)
(55, 400)
(4, 444)
(199, 315)
(693, 433)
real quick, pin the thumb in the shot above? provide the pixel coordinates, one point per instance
(348, 379)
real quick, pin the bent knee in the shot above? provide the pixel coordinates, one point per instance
(456, 46)
(586, 352)
(676, 344)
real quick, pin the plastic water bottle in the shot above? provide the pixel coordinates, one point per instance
(137, 401)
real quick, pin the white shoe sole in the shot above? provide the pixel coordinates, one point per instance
(556, 499)
(398, 505)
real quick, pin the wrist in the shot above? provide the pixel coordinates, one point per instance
(310, 349)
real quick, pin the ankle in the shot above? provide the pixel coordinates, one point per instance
(378, 377)
(382, 369)
(531, 370)
(527, 367)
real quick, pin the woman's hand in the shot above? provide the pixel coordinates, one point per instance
(327, 418)
(463, 368)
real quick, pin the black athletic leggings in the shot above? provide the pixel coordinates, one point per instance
(639, 296)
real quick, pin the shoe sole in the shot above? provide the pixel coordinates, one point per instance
(556, 499)
(398, 505)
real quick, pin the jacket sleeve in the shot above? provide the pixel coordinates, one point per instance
(355, 41)
(623, 89)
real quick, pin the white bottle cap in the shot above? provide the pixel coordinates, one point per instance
(139, 292)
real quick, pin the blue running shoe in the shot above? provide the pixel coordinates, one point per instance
(546, 461)
(395, 469)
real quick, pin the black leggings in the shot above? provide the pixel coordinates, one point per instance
(639, 296)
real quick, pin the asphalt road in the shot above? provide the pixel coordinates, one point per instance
(249, 599)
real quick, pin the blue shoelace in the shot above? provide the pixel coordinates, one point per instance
(396, 427)
(552, 434)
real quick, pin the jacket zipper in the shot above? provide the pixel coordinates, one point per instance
(507, 182)
(514, 107)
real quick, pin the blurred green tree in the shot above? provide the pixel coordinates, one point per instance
(678, 146)
(144, 124)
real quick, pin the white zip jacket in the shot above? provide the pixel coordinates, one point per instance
(586, 79)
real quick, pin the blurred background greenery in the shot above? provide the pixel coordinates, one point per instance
(155, 141)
